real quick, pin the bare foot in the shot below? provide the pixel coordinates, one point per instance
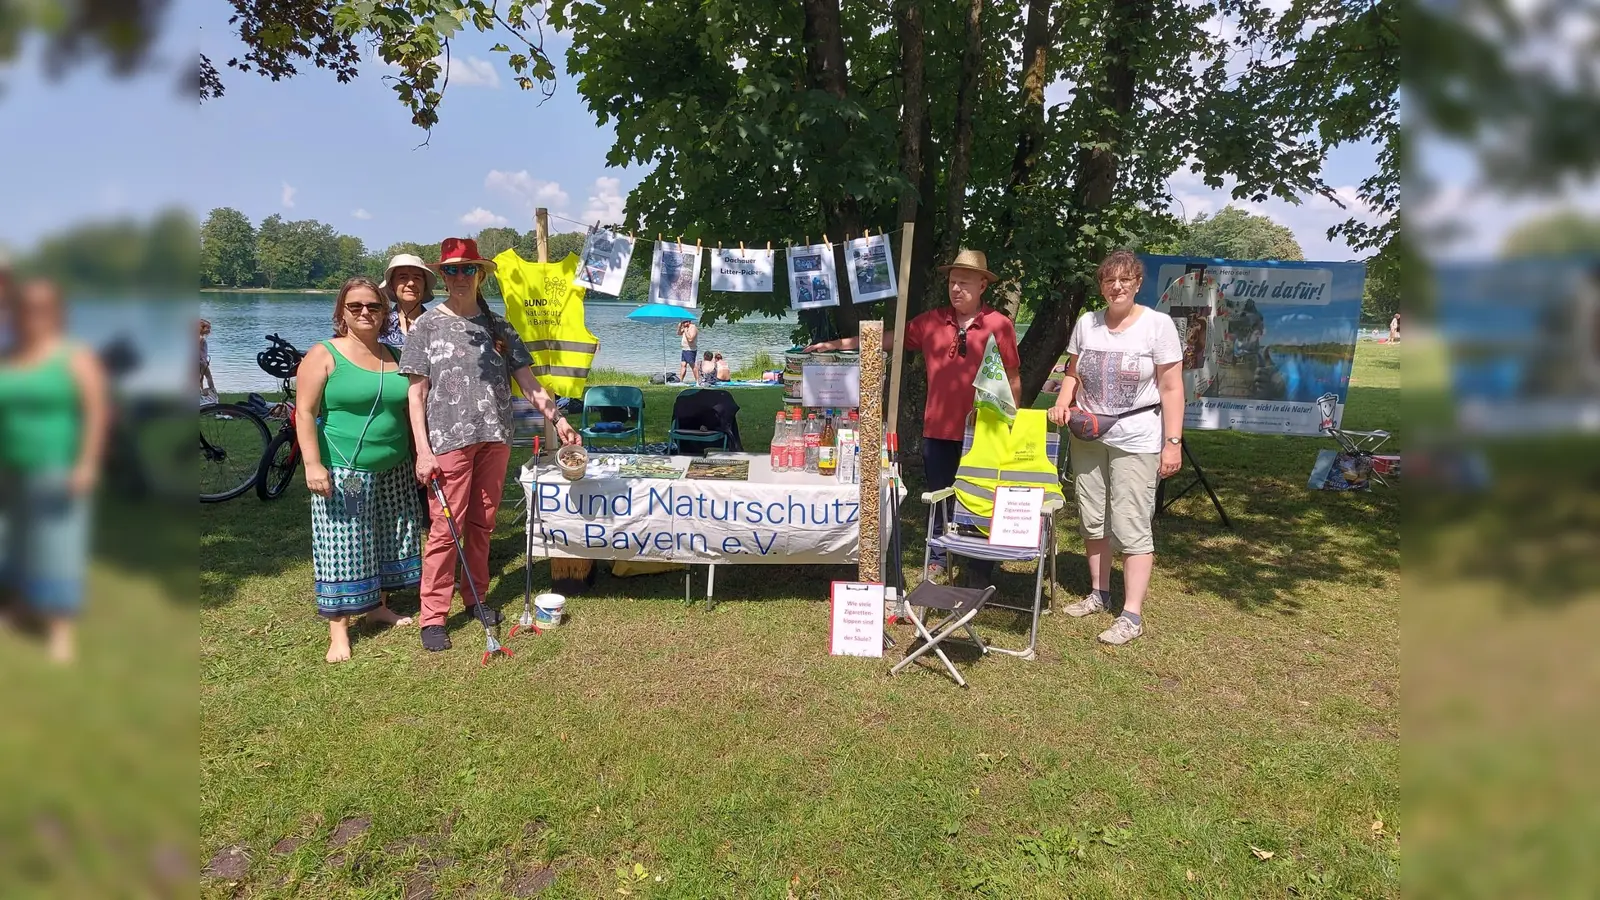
(338, 640)
(383, 615)
(62, 646)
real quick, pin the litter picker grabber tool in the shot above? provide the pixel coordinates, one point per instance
(491, 644)
(525, 623)
(897, 578)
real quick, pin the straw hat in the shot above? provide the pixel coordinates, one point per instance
(461, 250)
(974, 260)
(410, 260)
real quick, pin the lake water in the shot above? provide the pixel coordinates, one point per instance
(239, 323)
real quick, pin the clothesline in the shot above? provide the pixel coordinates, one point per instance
(788, 243)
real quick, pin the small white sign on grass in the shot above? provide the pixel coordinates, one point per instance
(857, 613)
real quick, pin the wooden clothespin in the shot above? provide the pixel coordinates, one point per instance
(769, 246)
(697, 243)
(741, 248)
(866, 234)
(680, 240)
(825, 242)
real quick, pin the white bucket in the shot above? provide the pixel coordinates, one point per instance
(548, 609)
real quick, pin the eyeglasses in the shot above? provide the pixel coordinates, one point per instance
(373, 308)
(961, 343)
(468, 269)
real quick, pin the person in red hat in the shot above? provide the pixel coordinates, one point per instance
(462, 358)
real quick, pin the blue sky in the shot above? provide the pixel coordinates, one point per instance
(347, 155)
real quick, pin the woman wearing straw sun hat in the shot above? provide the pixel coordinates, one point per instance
(409, 283)
(462, 359)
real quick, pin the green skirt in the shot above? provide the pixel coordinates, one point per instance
(358, 553)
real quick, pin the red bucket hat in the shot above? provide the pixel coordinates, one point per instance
(460, 250)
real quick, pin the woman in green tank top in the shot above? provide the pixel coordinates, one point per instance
(353, 429)
(54, 417)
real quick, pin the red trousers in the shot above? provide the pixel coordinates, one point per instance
(473, 479)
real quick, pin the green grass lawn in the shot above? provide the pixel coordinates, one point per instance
(1247, 746)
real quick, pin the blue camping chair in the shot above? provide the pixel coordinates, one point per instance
(613, 397)
(677, 437)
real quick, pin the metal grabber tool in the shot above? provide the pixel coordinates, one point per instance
(491, 643)
(525, 622)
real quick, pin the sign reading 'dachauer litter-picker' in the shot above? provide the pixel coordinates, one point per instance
(687, 520)
(1262, 340)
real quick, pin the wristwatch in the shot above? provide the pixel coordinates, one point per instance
(1176, 442)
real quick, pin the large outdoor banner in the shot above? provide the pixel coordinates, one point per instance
(684, 520)
(1262, 340)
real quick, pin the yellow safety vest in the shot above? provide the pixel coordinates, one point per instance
(1015, 455)
(546, 309)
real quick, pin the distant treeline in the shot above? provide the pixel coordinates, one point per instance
(301, 254)
(119, 254)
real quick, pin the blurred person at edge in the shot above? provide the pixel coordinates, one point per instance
(353, 426)
(54, 417)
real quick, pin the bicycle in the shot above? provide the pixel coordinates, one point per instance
(282, 456)
(232, 441)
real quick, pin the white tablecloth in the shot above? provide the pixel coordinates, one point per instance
(773, 518)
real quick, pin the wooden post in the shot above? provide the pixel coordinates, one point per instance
(869, 557)
(541, 232)
(897, 355)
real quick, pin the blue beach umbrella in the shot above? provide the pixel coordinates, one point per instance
(662, 312)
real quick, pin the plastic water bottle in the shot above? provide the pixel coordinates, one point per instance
(778, 456)
(795, 442)
(813, 437)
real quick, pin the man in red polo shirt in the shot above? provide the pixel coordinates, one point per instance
(951, 340)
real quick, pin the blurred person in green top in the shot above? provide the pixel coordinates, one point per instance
(54, 417)
(353, 429)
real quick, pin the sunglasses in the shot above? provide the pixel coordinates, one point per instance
(373, 308)
(469, 269)
(961, 342)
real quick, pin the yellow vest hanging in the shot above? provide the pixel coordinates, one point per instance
(546, 309)
(1017, 455)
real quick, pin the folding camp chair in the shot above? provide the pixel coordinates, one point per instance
(957, 532)
(961, 606)
(628, 399)
(1363, 445)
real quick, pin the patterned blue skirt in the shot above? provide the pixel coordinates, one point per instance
(359, 552)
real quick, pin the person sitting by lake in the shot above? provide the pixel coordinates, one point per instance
(707, 373)
(352, 425)
(55, 414)
(409, 284)
(462, 358)
(723, 372)
(1124, 360)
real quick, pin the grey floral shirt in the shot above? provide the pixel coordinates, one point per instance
(469, 393)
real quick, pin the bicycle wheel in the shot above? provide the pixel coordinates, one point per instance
(278, 466)
(232, 441)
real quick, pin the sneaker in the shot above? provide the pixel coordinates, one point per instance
(1087, 606)
(935, 573)
(1121, 631)
(489, 612)
(435, 638)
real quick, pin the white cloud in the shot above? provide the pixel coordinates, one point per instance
(362, 214)
(606, 202)
(471, 71)
(527, 190)
(483, 218)
(287, 196)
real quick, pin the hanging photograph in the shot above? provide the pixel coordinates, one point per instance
(812, 280)
(747, 271)
(870, 267)
(604, 263)
(675, 274)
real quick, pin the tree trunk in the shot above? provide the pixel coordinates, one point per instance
(1030, 138)
(961, 151)
(1127, 35)
(825, 71)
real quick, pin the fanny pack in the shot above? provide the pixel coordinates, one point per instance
(1088, 426)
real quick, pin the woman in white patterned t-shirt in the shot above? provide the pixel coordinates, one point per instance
(1123, 361)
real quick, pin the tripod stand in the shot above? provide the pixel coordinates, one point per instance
(1163, 500)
